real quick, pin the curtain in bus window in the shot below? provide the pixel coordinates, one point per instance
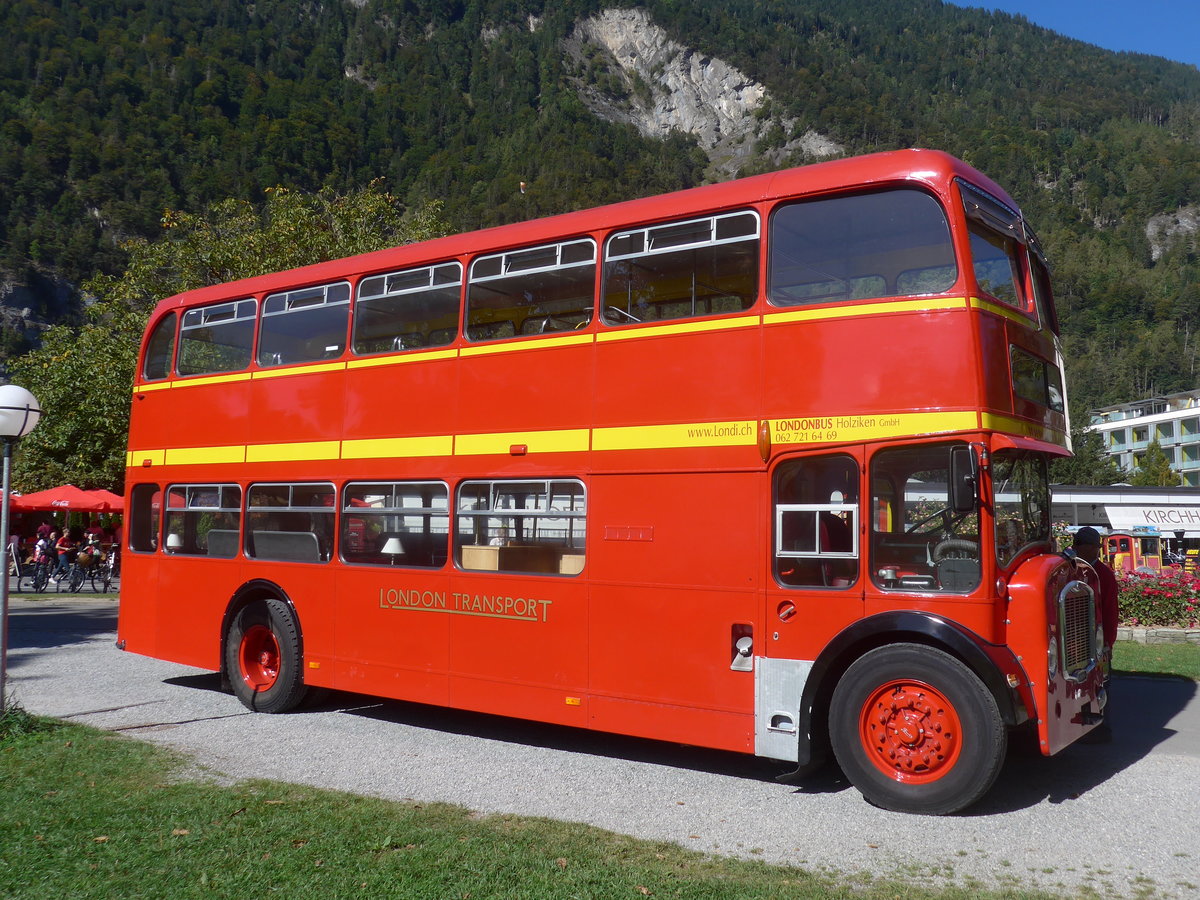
(396, 523)
(858, 247)
(533, 291)
(217, 338)
(304, 325)
(290, 522)
(700, 267)
(407, 310)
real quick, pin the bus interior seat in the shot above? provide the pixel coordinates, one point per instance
(286, 546)
(223, 543)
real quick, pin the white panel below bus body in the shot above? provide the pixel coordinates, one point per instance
(778, 686)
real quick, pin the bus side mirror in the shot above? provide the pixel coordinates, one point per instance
(964, 479)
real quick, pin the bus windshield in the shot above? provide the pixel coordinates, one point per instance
(1022, 503)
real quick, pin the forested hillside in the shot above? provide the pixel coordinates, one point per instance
(112, 112)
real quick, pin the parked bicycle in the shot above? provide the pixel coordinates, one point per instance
(91, 565)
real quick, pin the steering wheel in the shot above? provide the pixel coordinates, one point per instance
(955, 548)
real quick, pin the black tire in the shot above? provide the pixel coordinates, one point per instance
(916, 731)
(262, 656)
(76, 580)
(41, 578)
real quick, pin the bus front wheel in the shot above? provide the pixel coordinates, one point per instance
(262, 656)
(916, 731)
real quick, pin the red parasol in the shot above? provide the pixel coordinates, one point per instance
(68, 498)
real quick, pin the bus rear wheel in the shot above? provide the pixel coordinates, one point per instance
(916, 731)
(262, 656)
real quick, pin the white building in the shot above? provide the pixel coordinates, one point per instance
(1173, 421)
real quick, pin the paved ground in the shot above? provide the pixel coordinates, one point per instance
(1120, 819)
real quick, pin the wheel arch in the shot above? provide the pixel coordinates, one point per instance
(992, 664)
(255, 589)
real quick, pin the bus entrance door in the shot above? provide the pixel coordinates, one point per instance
(816, 587)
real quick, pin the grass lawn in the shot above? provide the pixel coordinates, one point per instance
(1182, 660)
(91, 814)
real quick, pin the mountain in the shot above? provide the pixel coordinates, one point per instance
(112, 111)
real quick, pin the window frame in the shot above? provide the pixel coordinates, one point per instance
(478, 326)
(244, 309)
(298, 550)
(428, 513)
(944, 258)
(163, 357)
(557, 558)
(292, 298)
(190, 538)
(616, 316)
(362, 300)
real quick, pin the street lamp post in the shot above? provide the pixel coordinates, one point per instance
(19, 413)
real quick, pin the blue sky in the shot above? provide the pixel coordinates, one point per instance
(1169, 28)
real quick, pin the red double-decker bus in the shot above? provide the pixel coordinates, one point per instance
(758, 466)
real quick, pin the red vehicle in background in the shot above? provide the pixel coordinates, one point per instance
(759, 466)
(1136, 551)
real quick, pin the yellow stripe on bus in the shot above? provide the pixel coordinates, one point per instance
(865, 309)
(423, 356)
(736, 433)
(824, 429)
(136, 458)
(569, 340)
(1013, 315)
(190, 456)
(688, 327)
(299, 370)
(1024, 428)
(299, 451)
(571, 440)
(391, 448)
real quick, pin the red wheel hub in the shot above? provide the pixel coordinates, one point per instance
(259, 657)
(910, 731)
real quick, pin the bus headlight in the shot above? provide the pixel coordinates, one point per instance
(1052, 656)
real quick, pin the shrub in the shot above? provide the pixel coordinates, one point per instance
(1170, 599)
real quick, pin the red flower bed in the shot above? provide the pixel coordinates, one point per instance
(1170, 599)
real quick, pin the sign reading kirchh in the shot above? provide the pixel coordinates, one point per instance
(1164, 518)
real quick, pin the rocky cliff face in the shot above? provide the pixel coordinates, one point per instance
(629, 70)
(1168, 229)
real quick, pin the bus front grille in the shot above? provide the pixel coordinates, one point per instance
(1077, 629)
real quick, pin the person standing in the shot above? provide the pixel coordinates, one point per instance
(1087, 547)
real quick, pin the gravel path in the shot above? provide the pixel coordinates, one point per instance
(1119, 820)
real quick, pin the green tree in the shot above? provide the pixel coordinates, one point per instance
(1155, 470)
(1090, 464)
(82, 375)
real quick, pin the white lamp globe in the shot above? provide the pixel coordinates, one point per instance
(19, 411)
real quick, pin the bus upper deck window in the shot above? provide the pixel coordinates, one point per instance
(217, 338)
(532, 291)
(160, 350)
(407, 310)
(698, 267)
(860, 246)
(996, 239)
(304, 325)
